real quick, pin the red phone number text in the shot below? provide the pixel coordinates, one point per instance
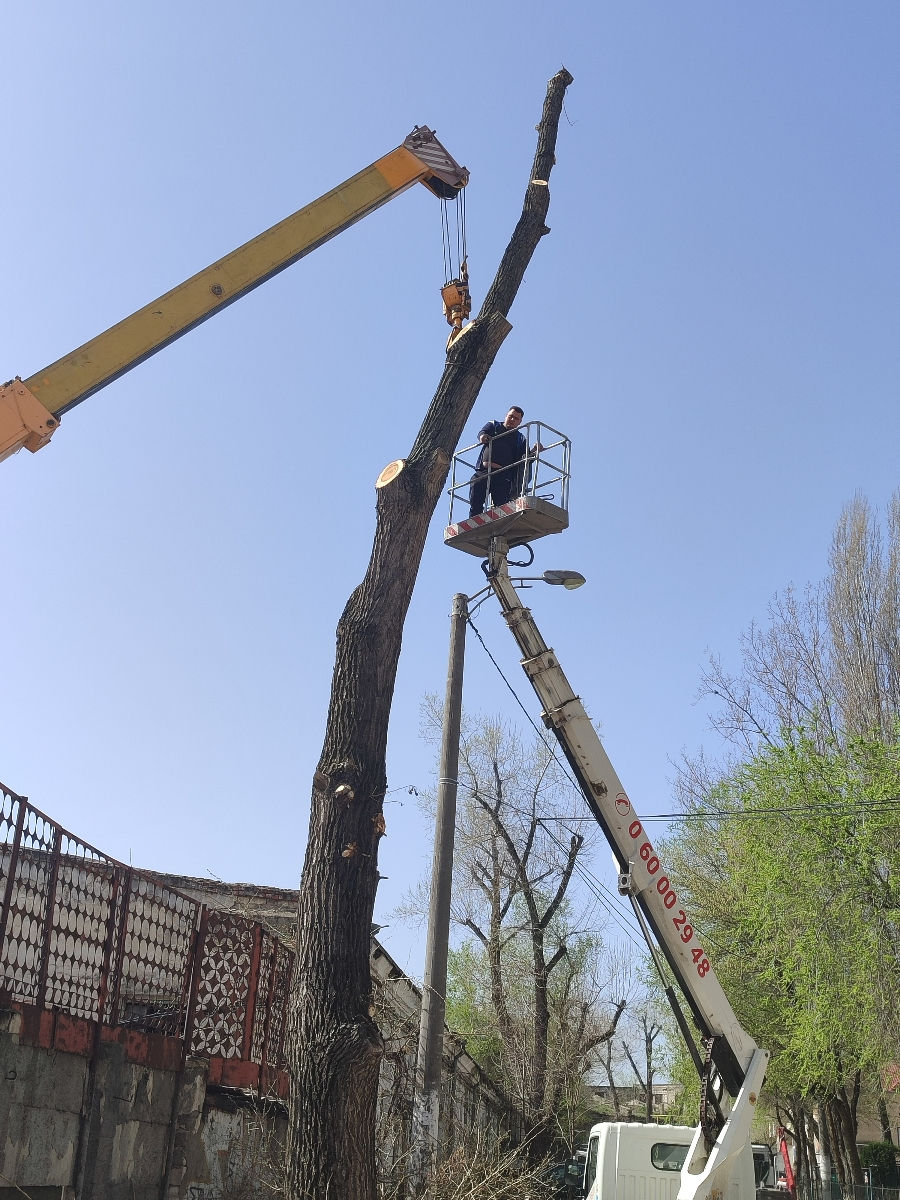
(669, 898)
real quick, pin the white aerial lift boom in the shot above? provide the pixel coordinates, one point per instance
(719, 1164)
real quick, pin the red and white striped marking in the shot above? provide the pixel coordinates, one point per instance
(487, 518)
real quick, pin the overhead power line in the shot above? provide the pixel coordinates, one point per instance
(837, 806)
(601, 893)
(540, 733)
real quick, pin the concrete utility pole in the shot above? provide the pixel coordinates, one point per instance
(427, 1113)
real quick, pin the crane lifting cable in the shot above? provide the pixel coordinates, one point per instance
(455, 292)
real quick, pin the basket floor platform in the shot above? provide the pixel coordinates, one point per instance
(517, 522)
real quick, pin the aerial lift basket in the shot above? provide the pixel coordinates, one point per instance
(542, 506)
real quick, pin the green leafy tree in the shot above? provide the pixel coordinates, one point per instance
(794, 868)
(792, 876)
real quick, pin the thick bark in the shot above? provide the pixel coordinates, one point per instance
(841, 1123)
(334, 1044)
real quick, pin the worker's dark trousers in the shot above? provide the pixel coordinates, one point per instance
(502, 489)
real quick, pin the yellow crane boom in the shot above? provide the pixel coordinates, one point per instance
(30, 409)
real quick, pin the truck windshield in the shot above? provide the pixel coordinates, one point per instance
(590, 1169)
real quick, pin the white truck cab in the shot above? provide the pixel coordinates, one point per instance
(630, 1161)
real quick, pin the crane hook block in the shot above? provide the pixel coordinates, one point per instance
(457, 300)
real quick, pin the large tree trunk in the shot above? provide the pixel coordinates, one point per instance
(334, 1044)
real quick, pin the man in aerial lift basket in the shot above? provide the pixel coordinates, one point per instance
(501, 462)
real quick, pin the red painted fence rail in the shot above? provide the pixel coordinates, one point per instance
(85, 935)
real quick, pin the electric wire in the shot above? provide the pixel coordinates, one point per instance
(599, 890)
(834, 806)
(548, 745)
(837, 807)
(887, 804)
(594, 885)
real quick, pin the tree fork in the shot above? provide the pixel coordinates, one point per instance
(334, 1047)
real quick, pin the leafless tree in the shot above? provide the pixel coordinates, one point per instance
(514, 867)
(610, 1071)
(334, 1043)
(644, 1030)
(829, 656)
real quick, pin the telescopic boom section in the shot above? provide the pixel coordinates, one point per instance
(657, 898)
(719, 1165)
(30, 409)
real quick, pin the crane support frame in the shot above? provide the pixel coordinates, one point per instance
(24, 422)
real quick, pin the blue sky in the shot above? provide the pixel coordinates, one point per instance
(713, 321)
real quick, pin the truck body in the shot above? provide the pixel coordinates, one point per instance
(764, 1167)
(628, 1161)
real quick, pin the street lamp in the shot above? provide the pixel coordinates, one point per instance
(426, 1113)
(570, 580)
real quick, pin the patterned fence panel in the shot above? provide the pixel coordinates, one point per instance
(83, 926)
(264, 990)
(272, 993)
(26, 865)
(223, 986)
(278, 1005)
(157, 957)
(59, 912)
(86, 935)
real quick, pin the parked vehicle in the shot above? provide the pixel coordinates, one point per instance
(565, 1180)
(631, 1161)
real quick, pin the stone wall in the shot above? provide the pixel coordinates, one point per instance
(142, 1020)
(116, 1124)
(85, 1125)
(117, 1113)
